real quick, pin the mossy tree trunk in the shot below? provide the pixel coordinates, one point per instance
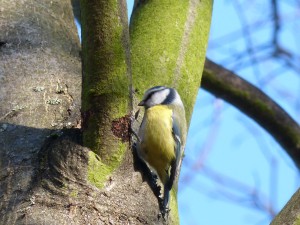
(46, 174)
(168, 46)
(105, 94)
(106, 102)
(174, 57)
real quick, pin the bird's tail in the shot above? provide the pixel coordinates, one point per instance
(166, 198)
(164, 207)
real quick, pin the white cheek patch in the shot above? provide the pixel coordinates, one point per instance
(159, 97)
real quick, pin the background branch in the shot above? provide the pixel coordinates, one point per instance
(253, 102)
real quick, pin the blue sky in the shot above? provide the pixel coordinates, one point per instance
(233, 170)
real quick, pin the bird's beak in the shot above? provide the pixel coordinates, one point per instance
(142, 103)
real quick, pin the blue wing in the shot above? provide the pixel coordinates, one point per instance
(175, 163)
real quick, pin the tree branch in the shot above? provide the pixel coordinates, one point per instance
(106, 78)
(250, 100)
(290, 213)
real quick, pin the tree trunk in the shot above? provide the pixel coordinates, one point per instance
(107, 78)
(168, 46)
(40, 84)
(46, 176)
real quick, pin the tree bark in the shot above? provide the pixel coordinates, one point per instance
(106, 68)
(290, 214)
(40, 84)
(46, 175)
(168, 46)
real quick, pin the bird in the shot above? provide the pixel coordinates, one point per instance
(162, 136)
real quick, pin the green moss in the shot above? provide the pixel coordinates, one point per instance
(99, 136)
(157, 31)
(297, 221)
(261, 105)
(104, 59)
(99, 172)
(105, 94)
(294, 135)
(154, 59)
(74, 194)
(174, 208)
(168, 48)
(191, 70)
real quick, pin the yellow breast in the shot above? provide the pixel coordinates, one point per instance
(157, 142)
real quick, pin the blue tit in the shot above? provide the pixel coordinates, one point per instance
(162, 135)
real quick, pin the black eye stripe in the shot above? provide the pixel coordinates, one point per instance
(170, 98)
(154, 90)
(149, 96)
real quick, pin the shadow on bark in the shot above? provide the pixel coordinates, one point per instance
(43, 180)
